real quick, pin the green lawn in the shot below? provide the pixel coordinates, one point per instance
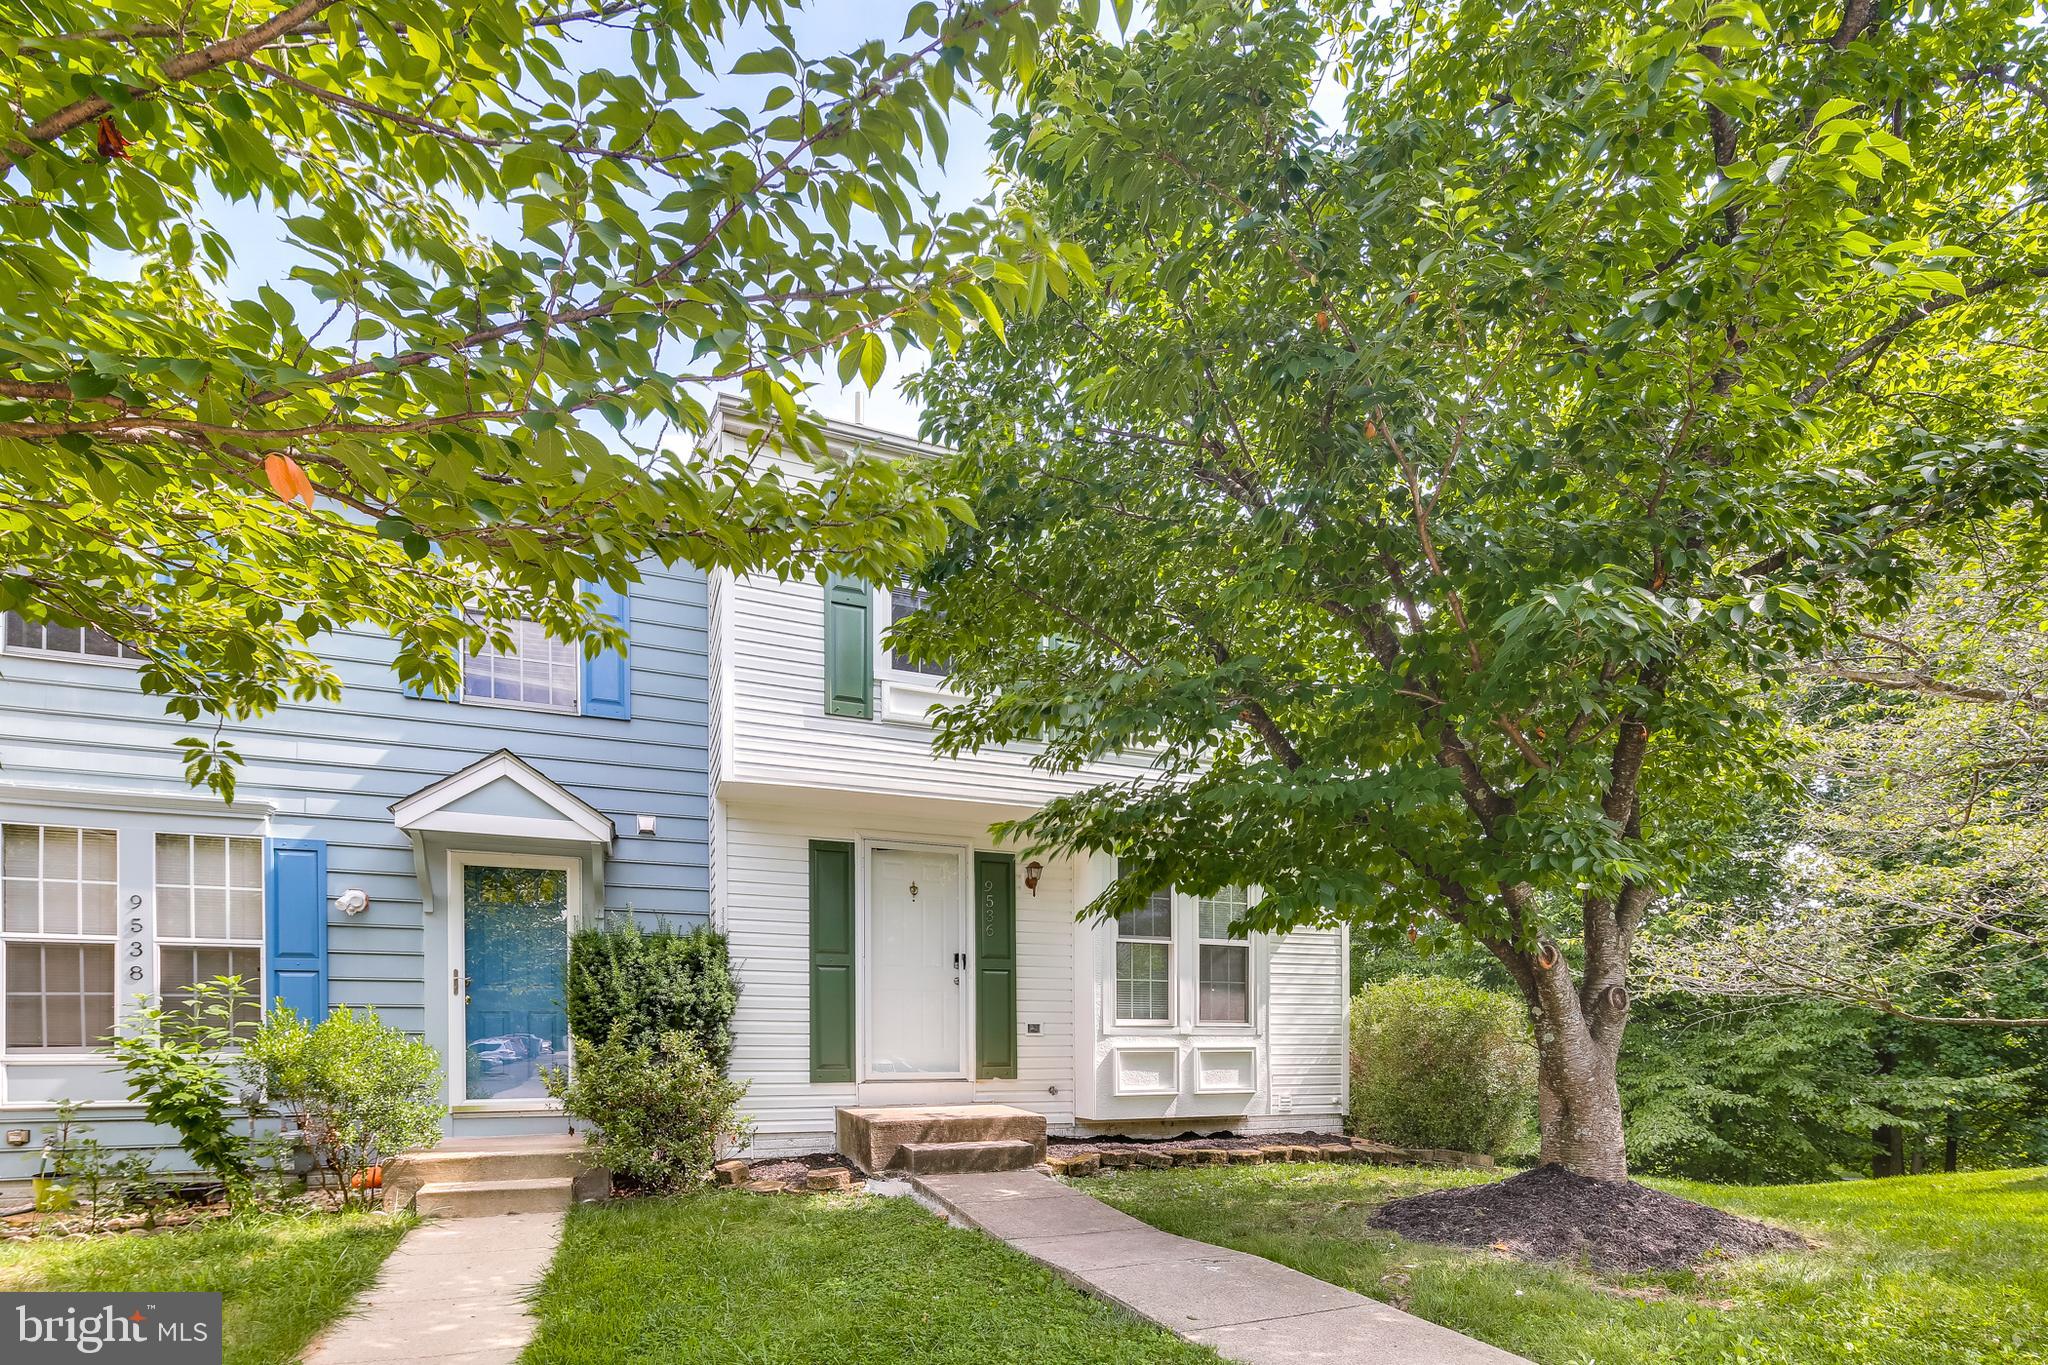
(281, 1277)
(1912, 1271)
(730, 1277)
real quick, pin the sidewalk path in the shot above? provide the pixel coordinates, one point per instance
(453, 1293)
(1246, 1307)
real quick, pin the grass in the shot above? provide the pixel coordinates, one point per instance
(731, 1277)
(281, 1277)
(1950, 1268)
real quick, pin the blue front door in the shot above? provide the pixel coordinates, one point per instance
(515, 938)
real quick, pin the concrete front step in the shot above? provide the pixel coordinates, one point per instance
(482, 1198)
(495, 1160)
(875, 1138)
(962, 1158)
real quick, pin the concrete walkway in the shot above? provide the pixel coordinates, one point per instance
(453, 1293)
(1246, 1307)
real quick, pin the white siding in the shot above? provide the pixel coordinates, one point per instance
(1310, 1074)
(764, 866)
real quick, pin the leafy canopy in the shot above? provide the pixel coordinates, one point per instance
(517, 243)
(1439, 491)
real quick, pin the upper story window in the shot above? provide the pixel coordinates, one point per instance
(1144, 962)
(1223, 976)
(76, 642)
(538, 671)
(903, 600)
(58, 902)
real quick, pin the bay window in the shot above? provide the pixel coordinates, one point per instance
(1183, 961)
(1144, 962)
(1223, 990)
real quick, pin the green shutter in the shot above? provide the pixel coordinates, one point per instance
(831, 961)
(849, 648)
(995, 967)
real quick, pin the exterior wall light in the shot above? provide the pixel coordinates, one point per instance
(1033, 870)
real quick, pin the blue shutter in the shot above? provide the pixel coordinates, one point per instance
(426, 694)
(608, 678)
(295, 924)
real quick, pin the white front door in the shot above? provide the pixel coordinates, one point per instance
(917, 964)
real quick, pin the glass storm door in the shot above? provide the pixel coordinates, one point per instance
(917, 964)
(515, 951)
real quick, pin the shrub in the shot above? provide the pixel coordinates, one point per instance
(356, 1088)
(652, 983)
(660, 1111)
(1438, 1063)
(176, 1064)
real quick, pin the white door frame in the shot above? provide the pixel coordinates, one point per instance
(458, 1015)
(864, 938)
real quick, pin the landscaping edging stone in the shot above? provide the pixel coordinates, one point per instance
(1090, 1156)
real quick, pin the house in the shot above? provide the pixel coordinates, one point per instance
(891, 952)
(354, 865)
(756, 755)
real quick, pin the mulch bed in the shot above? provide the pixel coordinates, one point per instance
(1229, 1142)
(790, 1172)
(1552, 1214)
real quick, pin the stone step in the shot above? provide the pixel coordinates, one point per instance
(873, 1137)
(481, 1198)
(480, 1161)
(963, 1158)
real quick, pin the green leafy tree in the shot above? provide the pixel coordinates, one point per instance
(522, 245)
(1437, 490)
(1909, 874)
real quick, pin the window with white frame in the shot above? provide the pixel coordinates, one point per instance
(1223, 966)
(1144, 962)
(538, 671)
(904, 600)
(209, 917)
(59, 913)
(77, 642)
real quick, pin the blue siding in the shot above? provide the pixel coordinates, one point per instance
(333, 770)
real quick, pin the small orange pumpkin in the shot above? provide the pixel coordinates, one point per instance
(372, 1179)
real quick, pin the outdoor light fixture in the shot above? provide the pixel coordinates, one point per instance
(353, 901)
(1033, 870)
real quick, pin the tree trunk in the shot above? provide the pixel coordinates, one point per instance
(1578, 1097)
(1889, 1138)
(1951, 1149)
(1582, 1115)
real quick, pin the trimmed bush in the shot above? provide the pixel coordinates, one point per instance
(651, 984)
(1438, 1063)
(659, 1111)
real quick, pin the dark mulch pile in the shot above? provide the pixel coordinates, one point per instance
(791, 1170)
(1551, 1214)
(1229, 1142)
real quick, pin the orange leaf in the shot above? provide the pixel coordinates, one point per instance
(287, 479)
